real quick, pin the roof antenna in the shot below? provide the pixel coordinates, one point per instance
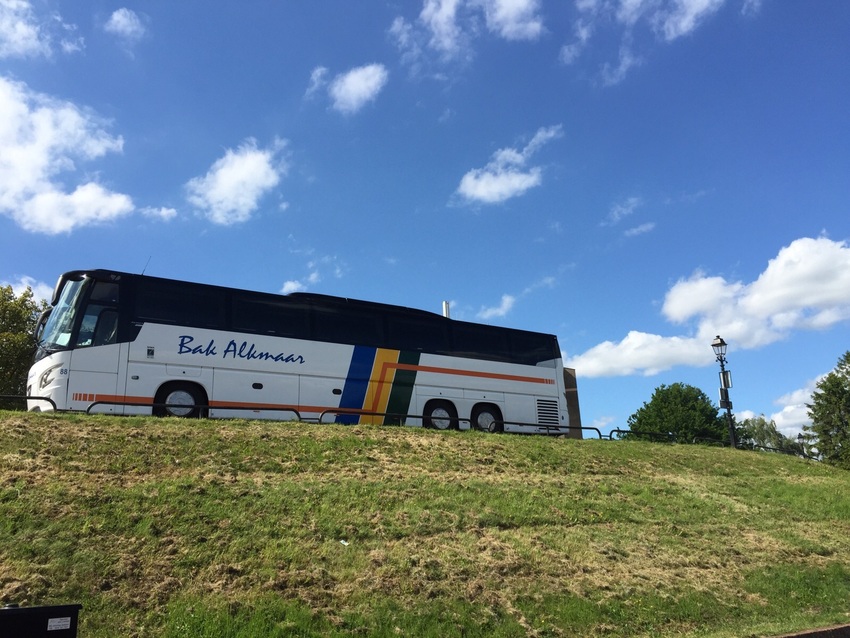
(146, 264)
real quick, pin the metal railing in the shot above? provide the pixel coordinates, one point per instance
(399, 417)
(663, 437)
(386, 415)
(27, 397)
(589, 428)
(247, 408)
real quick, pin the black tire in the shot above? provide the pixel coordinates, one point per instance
(487, 417)
(440, 415)
(181, 394)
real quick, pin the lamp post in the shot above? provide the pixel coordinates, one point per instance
(719, 347)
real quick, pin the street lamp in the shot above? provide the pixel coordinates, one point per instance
(719, 347)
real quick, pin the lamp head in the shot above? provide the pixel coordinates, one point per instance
(719, 346)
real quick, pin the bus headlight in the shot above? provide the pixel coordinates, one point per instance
(47, 377)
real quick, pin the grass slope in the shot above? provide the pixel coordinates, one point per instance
(247, 529)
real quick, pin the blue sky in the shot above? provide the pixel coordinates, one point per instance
(635, 176)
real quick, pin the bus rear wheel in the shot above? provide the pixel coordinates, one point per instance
(488, 418)
(440, 415)
(182, 400)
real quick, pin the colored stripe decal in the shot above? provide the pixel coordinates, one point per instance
(381, 381)
(356, 382)
(402, 390)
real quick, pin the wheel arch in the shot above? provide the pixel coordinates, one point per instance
(484, 407)
(193, 387)
(431, 405)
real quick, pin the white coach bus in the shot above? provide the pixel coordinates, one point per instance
(121, 343)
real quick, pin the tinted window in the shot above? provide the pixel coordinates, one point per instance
(481, 342)
(533, 348)
(180, 303)
(270, 316)
(424, 334)
(344, 325)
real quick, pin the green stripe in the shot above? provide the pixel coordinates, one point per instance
(402, 390)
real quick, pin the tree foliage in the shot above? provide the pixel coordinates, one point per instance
(830, 415)
(18, 317)
(758, 432)
(680, 411)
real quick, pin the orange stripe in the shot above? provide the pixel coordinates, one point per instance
(474, 373)
(388, 361)
(120, 397)
(244, 404)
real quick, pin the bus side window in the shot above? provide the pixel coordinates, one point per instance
(106, 328)
(100, 321)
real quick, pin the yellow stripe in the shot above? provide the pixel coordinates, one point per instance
(380, 382)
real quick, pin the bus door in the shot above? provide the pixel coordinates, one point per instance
(97, 356)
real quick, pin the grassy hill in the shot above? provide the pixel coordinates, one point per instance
(172, 528)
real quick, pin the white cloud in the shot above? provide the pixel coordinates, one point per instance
(440, 18)
(20, 34)
(612, 75)
(508, 302)
(317, 269)
(501, 310)
(793, 413)
(23, 34)
(545, 282)
(506, 175)
(684, 16)
(622, 209)
(317, 81)
(40, 290)
(125, 24)
(162, 213)
(514, 19)
(43, 138)
(807, 278)
(352, 90)
(638, 353)
(669, 20)
(805, 287)
(292, 286)
(231, 190)
(496, 183)
(640, 230)
(408, 41)
(56, 212)
(449, 28)
(571, 52)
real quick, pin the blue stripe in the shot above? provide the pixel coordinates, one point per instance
(357, 382)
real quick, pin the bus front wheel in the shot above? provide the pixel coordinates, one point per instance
(181, 400)
(439, 415)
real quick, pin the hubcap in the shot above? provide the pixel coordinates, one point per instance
(441, 419)
(486, 422)
(179, 397)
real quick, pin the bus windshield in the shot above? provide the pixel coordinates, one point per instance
(57, 330)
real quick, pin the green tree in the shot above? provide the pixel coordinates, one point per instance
(830, 415)
(759, 432)
(18, 317)
(681, 411)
